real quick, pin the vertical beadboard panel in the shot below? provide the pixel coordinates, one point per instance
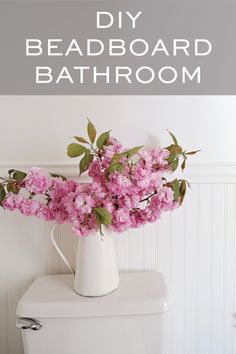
(177, 281)
(230, 208)
(4, 309)
(123, 251)
(203, 281)
(195, 248)
(190, 271)
(233, 281)
(150, 239)
(136, 249)
(164, 260)
(218, 271)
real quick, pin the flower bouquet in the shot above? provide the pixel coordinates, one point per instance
(128, 188)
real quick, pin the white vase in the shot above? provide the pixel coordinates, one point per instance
(96, 272)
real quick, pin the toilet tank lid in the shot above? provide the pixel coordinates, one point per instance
(52, 296)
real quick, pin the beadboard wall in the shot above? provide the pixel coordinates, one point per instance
(195, 247)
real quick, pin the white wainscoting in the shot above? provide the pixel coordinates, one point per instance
(195, 247)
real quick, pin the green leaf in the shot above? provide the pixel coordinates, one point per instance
(55, 175)
(192, 152)
(11, 171)
(174, 149)
(132, 152)
(183, 164)
(104, 215)
(80, 139)
(176, 190)
(85, 162)
(171, 158)
(2, 194)
(183, 189)
(183, 186)
(116, 167)
(116, 158)
(98, 220)
(102, 139)
(115, 164)
(19, 175)
(173, 138)
(175, 164)
(75, 150)
(91, 131)
(11, 187)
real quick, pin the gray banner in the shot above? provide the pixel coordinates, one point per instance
(114, 48)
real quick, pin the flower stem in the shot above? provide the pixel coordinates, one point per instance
(147, 198)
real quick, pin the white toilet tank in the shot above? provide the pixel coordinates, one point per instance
(132, 320)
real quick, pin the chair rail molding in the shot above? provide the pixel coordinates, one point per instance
(199, 172)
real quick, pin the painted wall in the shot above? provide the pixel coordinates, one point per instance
(195, 247)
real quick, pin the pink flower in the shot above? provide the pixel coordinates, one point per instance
(155, 180)
(114, 145)
(12, 201)
(84, 203)
(108, 205)
(38, 181)
(129, 201)
(121, 220)
(97, 190)
(137, 218)
(119, 184)
(44, 213)
(122, 215)
(86, 227)
(162, 201)
(153, 211)
(95, 171)
(58, 194)
(28, 207)
(155, 159)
